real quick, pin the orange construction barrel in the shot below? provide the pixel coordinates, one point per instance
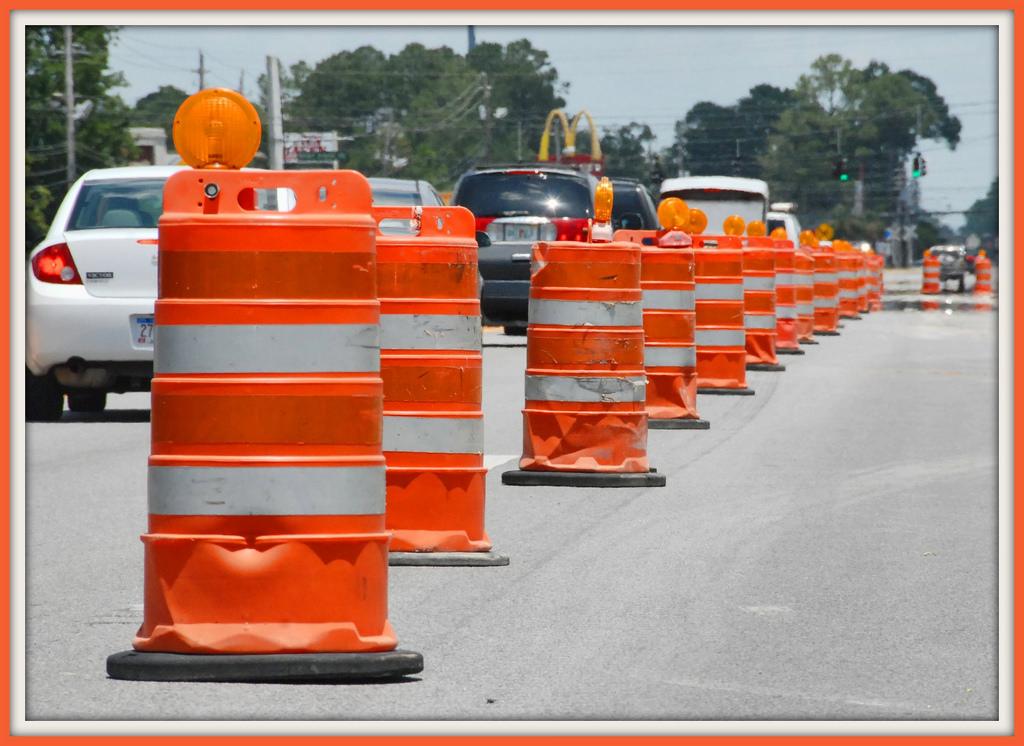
(721, 333)
(930, 274)
(804, 268)
(759, 320)
(826, 291)
(432, 368)
(585, 417)
(266, 557)
(787, 341)
(982, 275)
(670, 324)
(847, 262)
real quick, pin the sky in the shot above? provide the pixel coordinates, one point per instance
(650, 67)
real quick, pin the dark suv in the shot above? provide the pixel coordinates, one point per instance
(632, 206)
(517, 206)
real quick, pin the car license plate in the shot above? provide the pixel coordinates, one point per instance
(142, 331)
(520, 232)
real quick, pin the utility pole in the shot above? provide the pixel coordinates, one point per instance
(275, 144)
(69, 105)
(201, 71)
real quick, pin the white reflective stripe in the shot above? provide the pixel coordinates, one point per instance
(826, 302)
(849, 294)
(805, 279)
(586, 389)
(759, 283)
(670, 357)
(785, 278)
(420, 331)
(266, 348)
(267, 490)
(719, 291)
(585, 313)
(785, 312)
(804, 309)
(721, 338)
(669, 300)
(759, 321)
(433, 434)
(847, 275)
(825, 277)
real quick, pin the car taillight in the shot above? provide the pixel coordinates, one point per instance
(54, 264)
(572, 230)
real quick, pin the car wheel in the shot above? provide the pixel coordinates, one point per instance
(90, 401)
(44, 401)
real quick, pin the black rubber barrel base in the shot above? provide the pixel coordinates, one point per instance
(446, 559)
(273, 668)
(787, 351)
(736, 392)
(677, 423)
(810, 341)
(826, 333)
(527, 478)
(765, 366)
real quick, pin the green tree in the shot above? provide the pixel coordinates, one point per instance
(874, 118)
(101, 131)
(158, 109)
(983, 217)
(626, 152)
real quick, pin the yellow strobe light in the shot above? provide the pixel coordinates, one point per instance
(734, 225)
(698, 221)
(603, 201)
(673, 214)
(808, 238)
(217, 128)
(825, 232)
(779, 232)
(756, 228)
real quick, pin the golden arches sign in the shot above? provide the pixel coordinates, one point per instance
(570, 135)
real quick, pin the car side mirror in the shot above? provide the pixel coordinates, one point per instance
(482, 239)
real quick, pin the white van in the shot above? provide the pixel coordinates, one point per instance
(781, 216)
(720, 197)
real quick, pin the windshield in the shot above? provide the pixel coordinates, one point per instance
(492, 195)
(121, 203)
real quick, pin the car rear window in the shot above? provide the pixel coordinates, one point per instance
(496, 195)
(118, 203)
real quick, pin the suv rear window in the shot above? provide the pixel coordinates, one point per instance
(502, 195)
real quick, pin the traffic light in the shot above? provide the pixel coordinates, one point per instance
(840, 171)
(918, 169)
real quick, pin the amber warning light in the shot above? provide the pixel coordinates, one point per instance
(217, 128)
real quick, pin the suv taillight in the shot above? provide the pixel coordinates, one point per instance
(54, 264)
(573, 229)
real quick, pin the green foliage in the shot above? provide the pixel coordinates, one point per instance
(626, 152)
(158, 110)
(101, 139)
(983, 217)
(873, 117)
(424, 113)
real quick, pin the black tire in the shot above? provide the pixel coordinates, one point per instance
(44, 401)
(87, 401)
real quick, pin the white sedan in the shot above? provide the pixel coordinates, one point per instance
(90, 290)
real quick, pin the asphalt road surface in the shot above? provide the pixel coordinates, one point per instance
(827, 554)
